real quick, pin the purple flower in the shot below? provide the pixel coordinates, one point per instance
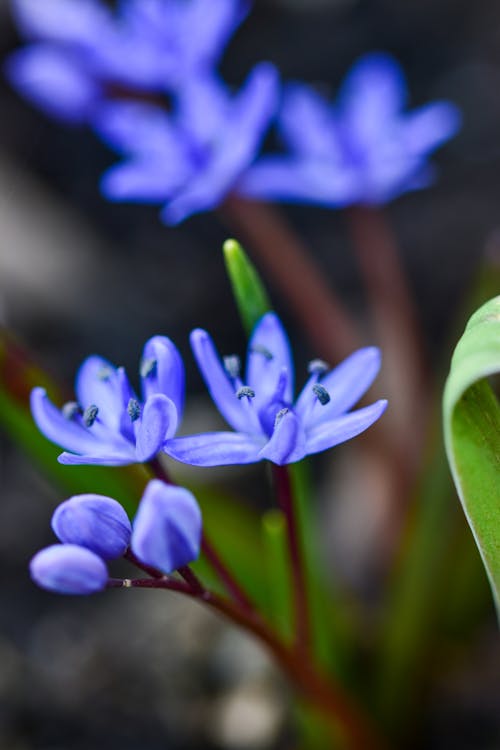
(363, 150)
(93, 521)
(190, 159)
(108, 424)
(167, 527)
(260, 408)
(81, 53)
(69, 569)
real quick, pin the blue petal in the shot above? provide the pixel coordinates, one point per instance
(234, 147)
(242, 417)
(57, 428)
(167, 376)
(53, 80)
(301, 181)
(66, 21)
(93, 521)
(157, 424)
(428, 127)
(288, 442)
(140, 181)
(345, 384)
(122, 458)
(137, 128)
(268, 356)
(343, 428)
(308, 126)
(167, 527)
(372, 96)
(98, 382)
(215, 449)
(209, 32)
(68, 569)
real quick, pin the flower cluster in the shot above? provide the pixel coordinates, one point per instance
(109, 425)
(144, 78)
(94, 529)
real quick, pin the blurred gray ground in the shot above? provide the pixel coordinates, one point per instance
(140, 671)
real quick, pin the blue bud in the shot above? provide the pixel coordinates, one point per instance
(68, 569)
(167, 527)
(93, 521)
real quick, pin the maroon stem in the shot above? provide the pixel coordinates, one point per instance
(397, 328)
(218, 565)
(285, 500)
(338, 710)
(290, 266)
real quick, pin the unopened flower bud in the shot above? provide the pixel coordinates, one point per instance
(167, 527)
(93, 521)
(69, 569)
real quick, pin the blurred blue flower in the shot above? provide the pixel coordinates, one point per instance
(69, 569)
(167, 527)
(364, 150)
(260, 409)
(192, 158)
(82, 53)
(96, 522)
(108, 424)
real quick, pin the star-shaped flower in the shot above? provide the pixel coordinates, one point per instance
(365, 149)
(267, 423)
(191, 158)
(81, 53)
(108, 424)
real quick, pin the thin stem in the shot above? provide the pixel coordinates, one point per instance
(209, 550)
(397, 327)
(286, 502)
(291, 268)
(192, 580)
(328, 698)
(153, 572)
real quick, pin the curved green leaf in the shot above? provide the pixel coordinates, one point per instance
(472, 433)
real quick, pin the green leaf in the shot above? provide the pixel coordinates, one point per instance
(472, 433)
(249, 291)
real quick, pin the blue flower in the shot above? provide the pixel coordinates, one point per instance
(267, 423)
(96, 522)
(69, 569)
(108, 424)
(190, 159)
(363, 150)
(167, 527)
(81, 53)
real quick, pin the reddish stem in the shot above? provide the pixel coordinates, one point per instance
(285, 500)
(291, 268)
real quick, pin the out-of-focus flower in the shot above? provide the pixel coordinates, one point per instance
(108, 424)
(69, 569)
(364, 150)
(260, 409)
(189, 159)
(82, 54)
(96, 522)
(167, 527)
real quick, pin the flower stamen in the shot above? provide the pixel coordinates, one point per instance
(90, 415)
(321, 394)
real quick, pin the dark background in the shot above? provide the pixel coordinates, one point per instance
(79, 275)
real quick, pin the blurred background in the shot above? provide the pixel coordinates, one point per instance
(79, 275)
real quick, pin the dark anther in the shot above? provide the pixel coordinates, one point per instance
(245, 391)
(322, 394)
(317, 367)
(71, 409)
(258, 349)
(104, 373)
(279, 416)
(148, 367)
(232, 365)
(90, 415)
(134, 409)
